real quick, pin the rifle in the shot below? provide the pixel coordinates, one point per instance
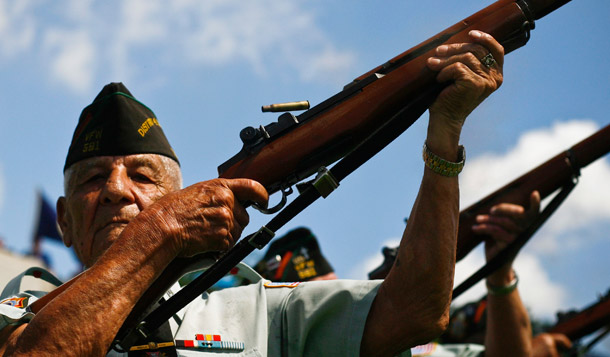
(574, 324)
(546, 178)
(375, 109)
(577, 324)
(326, 132)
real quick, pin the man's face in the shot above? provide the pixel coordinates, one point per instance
(104, 194)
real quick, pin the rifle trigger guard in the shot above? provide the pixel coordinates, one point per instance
(325, 182)
(279, 206)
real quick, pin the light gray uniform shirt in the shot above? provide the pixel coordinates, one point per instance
(321, 318)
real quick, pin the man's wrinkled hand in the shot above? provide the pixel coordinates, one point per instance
(207, 216)
(471, 80)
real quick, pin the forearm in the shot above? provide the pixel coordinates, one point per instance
(426, 258)
(84, 319)
(508, 331)
(412, 304)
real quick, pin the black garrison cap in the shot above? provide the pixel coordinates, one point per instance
(117, 124)
(295, 256)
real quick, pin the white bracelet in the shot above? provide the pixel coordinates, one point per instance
(503, 290)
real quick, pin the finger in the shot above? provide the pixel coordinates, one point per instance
(470, 60)
(505, 223)
(507, 210)
(454, 72)
(497, 233)
(248, 190)
(455, 62)
(494, 47)
(241, 215)
(474, 51)
(534, 203)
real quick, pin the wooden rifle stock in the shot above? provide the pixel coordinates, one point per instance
(576, 325)
(546, 179)
(283, 153)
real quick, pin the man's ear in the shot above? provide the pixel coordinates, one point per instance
(62, 221)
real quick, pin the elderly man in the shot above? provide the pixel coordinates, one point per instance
(127, 218)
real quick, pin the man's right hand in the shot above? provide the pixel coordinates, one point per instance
(206, 216)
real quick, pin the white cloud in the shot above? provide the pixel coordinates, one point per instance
(17, 27)
(72, 55)
(361, 271)
(586, 205)
(330, 63)
(141, 25)
(539, 294)
(259, 33)
(83, 40)
(78, 11)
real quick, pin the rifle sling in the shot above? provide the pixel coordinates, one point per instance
(595, 340)
(511, 250)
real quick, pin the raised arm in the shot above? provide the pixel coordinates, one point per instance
(508, 329)
(412, 304)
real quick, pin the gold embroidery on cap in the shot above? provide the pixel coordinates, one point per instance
(146, 125)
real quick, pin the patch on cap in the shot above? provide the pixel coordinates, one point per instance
(117, 124)
(295, 256)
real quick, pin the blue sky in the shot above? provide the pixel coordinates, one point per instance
(205, 68)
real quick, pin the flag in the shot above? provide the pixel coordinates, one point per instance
(45, 226)
(47, 220)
